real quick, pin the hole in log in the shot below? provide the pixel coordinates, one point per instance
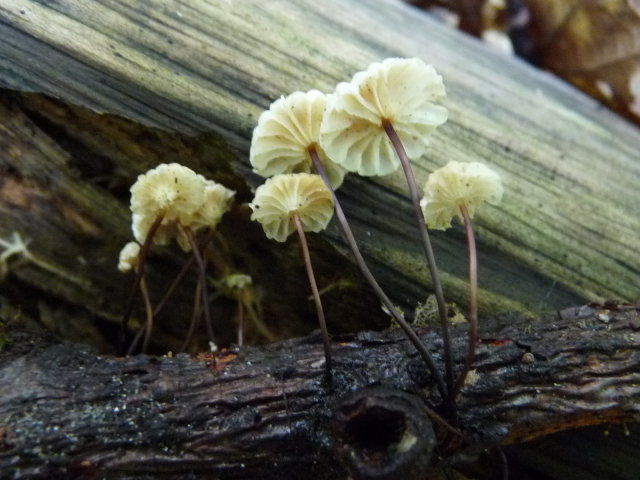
(374, 431)
(382, 433)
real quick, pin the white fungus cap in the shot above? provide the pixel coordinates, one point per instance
(400, 90)
(129, 255)
(284, 133)
(237, 281)
(457, 184)
(182, 197)
(282, 196)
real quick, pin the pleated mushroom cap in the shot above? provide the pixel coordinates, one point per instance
(282, 196)
(468, 184)
(281, 140)
(129, 256)
(402, 91)
(183, 198)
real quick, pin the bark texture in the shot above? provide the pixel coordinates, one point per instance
(265, 412)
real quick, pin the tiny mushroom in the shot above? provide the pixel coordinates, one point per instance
(377, 123)
(399, 91)
(285, 196)
(457, 190)
(299, 202)
(172, 202)
(129, 256)
(287, 135)
(457, 185)
(182, 198)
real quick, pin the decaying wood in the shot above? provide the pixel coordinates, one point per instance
(568, 224)
(266, 412)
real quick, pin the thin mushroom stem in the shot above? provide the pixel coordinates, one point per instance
(240, 321)
(348, 235)
(256, 318)
(142, 260)
(149, 310)
(195, 315)
(148, 326)
(174, 284)
(179, 277)
(428, 249)
(473, 301)
(316, 296)
(202, 279)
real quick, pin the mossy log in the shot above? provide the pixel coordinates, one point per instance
(267, 412)
(565, 231)
(96, 92)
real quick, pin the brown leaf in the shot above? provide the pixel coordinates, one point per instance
(594, 44)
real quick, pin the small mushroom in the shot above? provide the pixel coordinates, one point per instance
(129, 256)
(287, 132)
(286, 196)
(376, 123)
(297, 202)
(171, 202)
(400, 91)
(456, 185)
(171, 191)
(182, 198)
(457, 190)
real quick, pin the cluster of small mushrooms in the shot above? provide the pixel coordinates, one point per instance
(304, 145)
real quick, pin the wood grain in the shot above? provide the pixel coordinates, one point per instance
(568, 225)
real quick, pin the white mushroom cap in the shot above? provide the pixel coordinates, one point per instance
(284, 133)
(182, 197)
(129, 256)
(216, 201)
(237, 281)
(282, 196)
(458, 184)
(400, 90)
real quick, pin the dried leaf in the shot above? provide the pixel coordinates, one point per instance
(594, 44)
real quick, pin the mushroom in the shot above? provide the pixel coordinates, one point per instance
(287, 132)
(129, 256)
(397, 91)
(375, 123)
(171, 202)
(287, 140)
(184, 200)
(240, 287)
(298, 202)
(457, 190)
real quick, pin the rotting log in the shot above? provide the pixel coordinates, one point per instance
(566, 230)
(266, 412)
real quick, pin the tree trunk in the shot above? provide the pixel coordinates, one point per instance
(268, 412)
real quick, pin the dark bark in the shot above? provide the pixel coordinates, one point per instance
(264, 412)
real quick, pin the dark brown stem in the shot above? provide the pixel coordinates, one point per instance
(316, 295)
(240, 321)
(473, 301)
(202, 279)
(174, 284)
(428, 249)
(148, 326)
(142, 260)
(195, 315)
(351, 241)
(149, 309)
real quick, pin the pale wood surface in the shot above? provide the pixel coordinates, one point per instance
(567, 227)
